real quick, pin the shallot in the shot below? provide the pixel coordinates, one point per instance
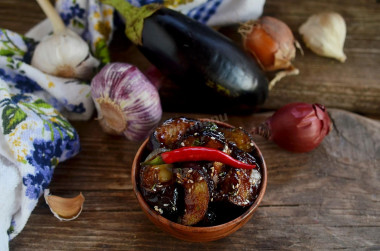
(272, 44)
(296, 127)
(126, 101)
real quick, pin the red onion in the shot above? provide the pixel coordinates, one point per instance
(126, 101)
(297, 127)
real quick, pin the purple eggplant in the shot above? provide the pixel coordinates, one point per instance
(193, 54)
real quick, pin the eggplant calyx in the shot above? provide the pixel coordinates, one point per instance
(134, 17)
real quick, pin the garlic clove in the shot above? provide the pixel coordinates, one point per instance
(65, 209)
(324, 34)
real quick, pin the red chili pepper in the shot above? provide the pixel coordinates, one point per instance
(198, 153)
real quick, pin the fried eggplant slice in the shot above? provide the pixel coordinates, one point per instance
(240, 185)
(159, 189)
(196, 197)
(169, 132)
(239, 137)
(210, 139)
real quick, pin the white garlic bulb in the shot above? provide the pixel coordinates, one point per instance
(324, 34)
(65, 53)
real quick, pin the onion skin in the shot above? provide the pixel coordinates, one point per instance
(270, 41)
(297, 127)
(126, 101)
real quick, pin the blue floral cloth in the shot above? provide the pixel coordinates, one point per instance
(35, 135)
(34, 132)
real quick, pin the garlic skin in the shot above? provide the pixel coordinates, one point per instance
(324, 34)
(65, 55)
(126, 101)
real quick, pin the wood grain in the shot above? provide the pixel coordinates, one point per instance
(326, 199)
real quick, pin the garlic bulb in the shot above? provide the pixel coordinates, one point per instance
(126, 101)
(324, 34)
(64, 54)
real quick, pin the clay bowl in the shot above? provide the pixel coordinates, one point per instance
(197, 234)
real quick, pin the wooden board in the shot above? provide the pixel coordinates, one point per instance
(325, 199)
(353, 85)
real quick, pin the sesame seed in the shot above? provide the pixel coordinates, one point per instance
(189, 190)
(161, 211)
(173, 208)
(251, 144)
(213, 138)
(191, 181)
(195, 134)
(211, 199)
(165, 205)
(201, 178)
(156, 208)
(190, 170)
(182, 144)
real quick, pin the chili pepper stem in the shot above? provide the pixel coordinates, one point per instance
(134, 17)
(156, 161)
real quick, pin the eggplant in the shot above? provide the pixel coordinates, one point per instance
(193, 54)
(159, 189)
(239, 137)
(169, 132)
(196, 197)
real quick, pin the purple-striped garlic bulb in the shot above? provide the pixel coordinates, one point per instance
(126, 101)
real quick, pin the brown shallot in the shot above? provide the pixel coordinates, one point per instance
(272, 44)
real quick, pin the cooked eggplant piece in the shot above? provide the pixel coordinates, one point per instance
(240, 185)
(159, 189)
(207, 138)
(211, 139)
(168, 133)
(239, 137)
(197, 196)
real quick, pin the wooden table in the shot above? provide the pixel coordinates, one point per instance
(325, 199)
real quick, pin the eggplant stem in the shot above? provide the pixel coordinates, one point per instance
(134, 17)
(52, 14)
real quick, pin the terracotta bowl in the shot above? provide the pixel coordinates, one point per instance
(197, 234)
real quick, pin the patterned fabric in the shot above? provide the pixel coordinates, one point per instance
(34, 107)
(34, 135)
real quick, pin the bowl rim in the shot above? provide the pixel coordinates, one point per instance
(147, 209)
